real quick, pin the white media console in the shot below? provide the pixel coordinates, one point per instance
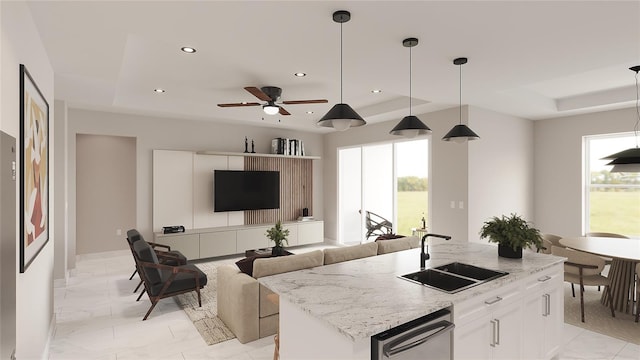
(228, 240)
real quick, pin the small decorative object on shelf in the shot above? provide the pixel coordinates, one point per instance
(512, 234)
(279, 236)
(424, 222)
(283, 146)
(253, 149)
(246, 145)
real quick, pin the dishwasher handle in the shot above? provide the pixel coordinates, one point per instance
(390, 349)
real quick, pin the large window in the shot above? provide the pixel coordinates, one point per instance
(612, 200)
(388, 180)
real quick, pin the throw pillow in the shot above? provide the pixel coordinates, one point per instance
(389, 237)
(246, 265)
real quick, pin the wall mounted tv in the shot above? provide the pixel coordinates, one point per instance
(236, 190)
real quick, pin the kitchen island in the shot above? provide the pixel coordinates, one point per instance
(330, 312)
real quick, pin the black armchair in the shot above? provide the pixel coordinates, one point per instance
(162, 281)
(376, 224)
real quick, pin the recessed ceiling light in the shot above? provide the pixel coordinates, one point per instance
(159, 90)
(188, 50)
(376, 91)
(300, 74)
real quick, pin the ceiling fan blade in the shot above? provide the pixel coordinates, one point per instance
(282, 111)
(258, 93)
(295, 102)
(239, 104)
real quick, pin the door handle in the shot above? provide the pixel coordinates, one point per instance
(498, 337)
(548, 303)
(545, 306)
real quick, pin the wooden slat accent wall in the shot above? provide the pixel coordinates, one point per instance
(296, 188)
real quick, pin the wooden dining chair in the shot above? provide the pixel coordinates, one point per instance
(584, 269)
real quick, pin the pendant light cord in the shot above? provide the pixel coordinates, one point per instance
(635, 128)
(341, 63)
(460, 115)
(410, 99)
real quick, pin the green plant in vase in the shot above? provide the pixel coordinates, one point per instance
(279, 236)
(512, 233)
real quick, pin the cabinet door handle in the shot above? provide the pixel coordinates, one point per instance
(544, 305)
(548, 303)
(498, 337)
(493, 334)
(544, 278)
(493, 301)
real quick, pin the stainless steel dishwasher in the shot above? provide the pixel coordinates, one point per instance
(428, 337)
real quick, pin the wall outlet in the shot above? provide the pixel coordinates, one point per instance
(453, 204)
(460, 204)
(118, 232)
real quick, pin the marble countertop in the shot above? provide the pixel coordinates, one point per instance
(363, 297)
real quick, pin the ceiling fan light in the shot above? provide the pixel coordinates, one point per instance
(460, 133)
(343, 116)
(410, 126)
(270, 109)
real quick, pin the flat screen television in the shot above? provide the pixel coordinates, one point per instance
(236, 190)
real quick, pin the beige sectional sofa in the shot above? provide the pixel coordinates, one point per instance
(243, 303)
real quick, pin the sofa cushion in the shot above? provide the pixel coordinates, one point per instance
(282, 264)
(340, 254)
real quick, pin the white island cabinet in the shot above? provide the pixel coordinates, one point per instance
(331, 311)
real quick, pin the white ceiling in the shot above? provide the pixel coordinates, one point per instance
(535, 59)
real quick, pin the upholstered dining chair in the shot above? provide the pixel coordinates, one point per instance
(549, 240)
(637, 291)
(583, 269)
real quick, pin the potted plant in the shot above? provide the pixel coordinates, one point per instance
(279, 236)
(512, 234)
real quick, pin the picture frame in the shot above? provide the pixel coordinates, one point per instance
(34, 170)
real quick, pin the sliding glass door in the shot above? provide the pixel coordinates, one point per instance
(387, 182)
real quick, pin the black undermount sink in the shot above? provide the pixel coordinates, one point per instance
(453, 277)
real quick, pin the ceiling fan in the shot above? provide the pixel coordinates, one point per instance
(271, 94)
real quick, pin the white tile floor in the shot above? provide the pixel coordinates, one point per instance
(98, 318)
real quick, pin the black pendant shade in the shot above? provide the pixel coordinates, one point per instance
(341, 117)
(410, 126)
(628, 160)
(460, 133)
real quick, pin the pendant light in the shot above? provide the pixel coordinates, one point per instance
(341, 116)
(460, 133)
(629, 160)
(410, 126)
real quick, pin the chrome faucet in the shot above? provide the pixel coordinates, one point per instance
(424, 256)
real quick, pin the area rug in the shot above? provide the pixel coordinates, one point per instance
(598, 317)
(205, 318)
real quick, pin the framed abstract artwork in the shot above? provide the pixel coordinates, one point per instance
(34, 172)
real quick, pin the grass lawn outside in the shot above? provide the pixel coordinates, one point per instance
(615, 212)
(411, 206)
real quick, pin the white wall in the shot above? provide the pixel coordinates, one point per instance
(448, 174)
(500, 168)
(60, 193)
(21, 44)
(177, 134)
(558, 166)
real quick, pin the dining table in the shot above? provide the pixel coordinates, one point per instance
(625, 253)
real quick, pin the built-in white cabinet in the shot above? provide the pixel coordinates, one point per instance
(217, 243)
(543, 315)
(221, 241)
(187, 244)
(520, 321)
(488, 327)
